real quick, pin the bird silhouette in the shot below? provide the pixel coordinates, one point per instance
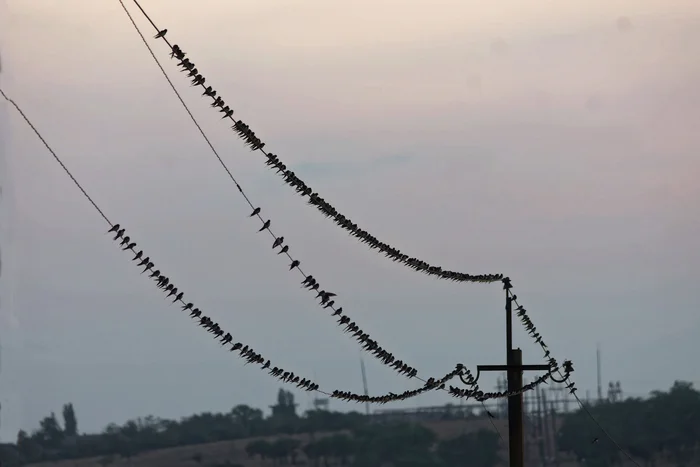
(177, 52)
(307, 280)
(266, 225)
(255, 212)
(161, 34)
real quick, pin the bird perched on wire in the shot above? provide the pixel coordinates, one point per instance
(161, 34)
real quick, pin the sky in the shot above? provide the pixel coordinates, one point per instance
(557, 144)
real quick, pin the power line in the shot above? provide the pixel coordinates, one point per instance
(245, 352)
(489, 415)
(309, 282)
(304, 190)
(199, 80)
(291, 179)
(603, 430)
(400, 366)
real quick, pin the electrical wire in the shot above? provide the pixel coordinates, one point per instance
(199, 80)
(223, 337)
(329, 211)
(303, 189)
(493, 424)
(309, 282)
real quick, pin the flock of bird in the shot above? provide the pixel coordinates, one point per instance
(246, 352)
(326, 298)
(290, 178)
(481, 396)
(537, 337)
(430, 385)
(172, 292)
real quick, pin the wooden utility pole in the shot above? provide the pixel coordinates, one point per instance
(514, 368)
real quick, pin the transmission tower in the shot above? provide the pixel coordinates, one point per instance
(364, 383)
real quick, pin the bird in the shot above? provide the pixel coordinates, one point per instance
(266, 225)
(278, 241)
(138, 256)
(255, 212)
(295, 264)
(284, 249)
(114, 228)
(161, 34)
(308, 280)
(176, 51)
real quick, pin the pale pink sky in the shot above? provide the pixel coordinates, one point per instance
(531, 137)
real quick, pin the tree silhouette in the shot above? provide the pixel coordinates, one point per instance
(70, 422)
(478, 449)
(249, 419)
(260, 448)
(663, 429)
(285, 449)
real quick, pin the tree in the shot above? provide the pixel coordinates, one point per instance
(50, 433)
(285, 449)
(28, 447)
(260, 448)
(249, 419)
(70, 422)
(341, 447)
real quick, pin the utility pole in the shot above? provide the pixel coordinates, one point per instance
(514, 368)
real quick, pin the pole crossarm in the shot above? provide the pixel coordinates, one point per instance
(481, 368)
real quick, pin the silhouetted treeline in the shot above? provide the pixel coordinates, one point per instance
(664, 426)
